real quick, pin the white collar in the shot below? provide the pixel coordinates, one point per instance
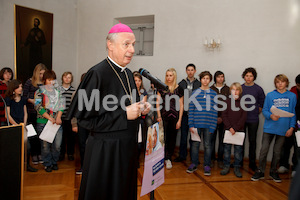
(122, 68)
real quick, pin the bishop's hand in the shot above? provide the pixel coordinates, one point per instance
(134, 111)
(146, 109)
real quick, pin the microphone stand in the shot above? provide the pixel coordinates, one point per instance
(5, 110)
(155, 114)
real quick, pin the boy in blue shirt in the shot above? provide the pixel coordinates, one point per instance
(276, 126)
(203, 116)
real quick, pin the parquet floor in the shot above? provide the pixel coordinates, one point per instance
(64, 184)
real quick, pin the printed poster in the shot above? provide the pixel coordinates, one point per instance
(154, 159)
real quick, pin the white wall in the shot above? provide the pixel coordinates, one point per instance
(64, 32)
(262, 34)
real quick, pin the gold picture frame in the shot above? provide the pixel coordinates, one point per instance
(33, 40)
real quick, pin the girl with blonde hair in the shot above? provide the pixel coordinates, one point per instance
(29, 88)
(171, 112)
(37, 75)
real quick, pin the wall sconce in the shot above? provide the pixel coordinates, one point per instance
(212, 43)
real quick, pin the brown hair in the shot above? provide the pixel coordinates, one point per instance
(250, 70)
(65, 74)
(49, 74)
(283, 78)
(205, 73)
(82, 76)
(138, 75)
(35, 79)
(6, 69)
(14, 84)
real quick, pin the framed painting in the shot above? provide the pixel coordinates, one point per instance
(33, 40)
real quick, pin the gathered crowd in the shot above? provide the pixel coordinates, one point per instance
(41, 99)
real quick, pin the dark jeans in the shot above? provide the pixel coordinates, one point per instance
(170, 137)
(34, 140)
(184, 136)
(285, 152)
(252, 135)
(220, 129)
(265, 145)
(68, 138)
(83, 134)
(238, 155)
(207, 139)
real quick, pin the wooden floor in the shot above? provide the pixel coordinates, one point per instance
(64, 184)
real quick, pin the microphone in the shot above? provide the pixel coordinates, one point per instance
(157, 83)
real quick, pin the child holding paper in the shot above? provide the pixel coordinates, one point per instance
(234, 118)
(203, 116)
(17, 111)
(275, 126)
(49, 105)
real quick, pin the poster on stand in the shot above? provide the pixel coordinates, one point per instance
(154, 159)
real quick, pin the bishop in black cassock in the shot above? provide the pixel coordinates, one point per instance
(110, 167)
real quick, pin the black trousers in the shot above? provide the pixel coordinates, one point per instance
(221, 131)
(68, 139)
(252, 135)
(35, 144)
(285, 152)
(170, 137)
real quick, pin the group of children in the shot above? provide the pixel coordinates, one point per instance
(204, 118)
(40, 100)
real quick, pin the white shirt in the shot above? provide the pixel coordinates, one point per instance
(122, 68)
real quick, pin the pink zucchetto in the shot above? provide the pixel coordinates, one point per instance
(120, 28)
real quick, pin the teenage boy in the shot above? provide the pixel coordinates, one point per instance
(190, 83)
(251, 88)
(68, 137)
(221, 89)
(203, 117)
(275, 126)
(291, 141)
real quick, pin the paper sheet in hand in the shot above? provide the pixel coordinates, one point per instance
(195, 136)
(30, 131)
(49, 132)
(237, 138)
(280, 113)
(298, 138)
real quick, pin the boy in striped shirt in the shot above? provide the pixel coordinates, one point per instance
(202, 116)
(68, 135)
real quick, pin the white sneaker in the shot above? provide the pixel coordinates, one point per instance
(168, 164)
(293, 174)
(282, 170)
